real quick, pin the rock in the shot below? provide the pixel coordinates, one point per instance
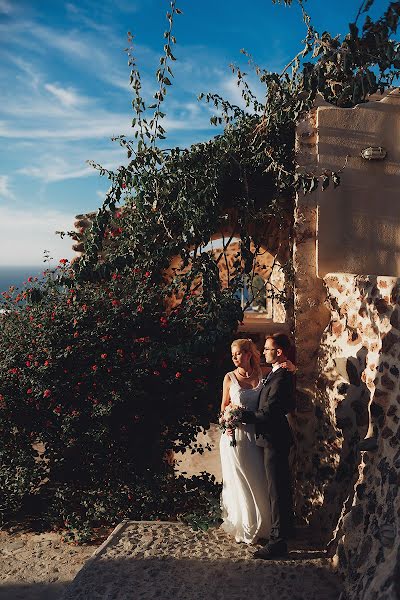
(368, 445)
(348, 369)
(395, 319)
(363, 552)
(387, 535)
(16, 545)
(387, 383)
(381, 306)
(357, 515)
(389, 341)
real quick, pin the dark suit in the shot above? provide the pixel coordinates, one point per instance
(277, 399)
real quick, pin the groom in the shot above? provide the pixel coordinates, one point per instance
(277, 399)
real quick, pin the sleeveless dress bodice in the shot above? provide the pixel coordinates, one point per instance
(248, 398)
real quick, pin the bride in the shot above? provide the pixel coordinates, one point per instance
(245, 505)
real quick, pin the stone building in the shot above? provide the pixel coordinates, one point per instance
(346, 327)
(347, 320)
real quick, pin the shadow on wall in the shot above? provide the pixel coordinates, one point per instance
(352, 419)
(361, 397)
(370, 555)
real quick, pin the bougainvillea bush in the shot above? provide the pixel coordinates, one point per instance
(99, 383)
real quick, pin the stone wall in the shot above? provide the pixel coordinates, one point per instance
(359, 369)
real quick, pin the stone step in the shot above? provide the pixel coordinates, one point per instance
(150, 560)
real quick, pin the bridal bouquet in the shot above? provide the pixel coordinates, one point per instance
(230, 419)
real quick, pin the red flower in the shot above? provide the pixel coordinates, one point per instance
(164, 364)
(116, 232)
(30, 279)
(156, 373)
(76, 334)
(94, 367)
(178, 375)
(28, 364)
(46, 393)
(116, 303)
(147, 274)
(57, 410)
(103, 356)
(46, 363)
(140, 308)
(63, 261)
(29, 391)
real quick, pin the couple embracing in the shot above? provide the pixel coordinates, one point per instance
(256, 496)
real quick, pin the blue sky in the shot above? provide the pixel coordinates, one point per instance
(65, 92)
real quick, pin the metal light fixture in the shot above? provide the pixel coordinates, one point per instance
(374, 153)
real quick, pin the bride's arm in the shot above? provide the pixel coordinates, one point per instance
(226, 399)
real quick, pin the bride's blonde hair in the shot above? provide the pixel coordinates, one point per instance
(247, 345)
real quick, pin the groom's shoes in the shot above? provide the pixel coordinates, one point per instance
(272, 551)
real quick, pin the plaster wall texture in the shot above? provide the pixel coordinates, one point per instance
(358, 228)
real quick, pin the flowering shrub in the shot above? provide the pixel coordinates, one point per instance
(99, 382)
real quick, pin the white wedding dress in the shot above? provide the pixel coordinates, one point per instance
(244, 501)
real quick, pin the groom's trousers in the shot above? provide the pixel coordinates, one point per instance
(279, 489)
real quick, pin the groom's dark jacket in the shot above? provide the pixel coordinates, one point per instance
(276, 400)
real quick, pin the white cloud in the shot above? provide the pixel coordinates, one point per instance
(233, 93)
(100, 194)
(5, 7)
(5, 189)
(25, 234)
(70, 163)
(67, 96)
(30, 76)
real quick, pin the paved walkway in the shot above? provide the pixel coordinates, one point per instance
(153, 560)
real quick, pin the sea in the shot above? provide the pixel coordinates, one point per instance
(16, 275)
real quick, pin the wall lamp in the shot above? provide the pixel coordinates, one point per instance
(374, 153)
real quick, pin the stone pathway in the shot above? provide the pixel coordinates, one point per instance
(153, 560)
(38, 566)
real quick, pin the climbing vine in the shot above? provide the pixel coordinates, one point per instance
(175, 199)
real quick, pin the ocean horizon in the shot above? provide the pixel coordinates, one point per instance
(17, 274)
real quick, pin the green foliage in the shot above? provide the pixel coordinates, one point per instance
(176, 199)
(99, 383)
